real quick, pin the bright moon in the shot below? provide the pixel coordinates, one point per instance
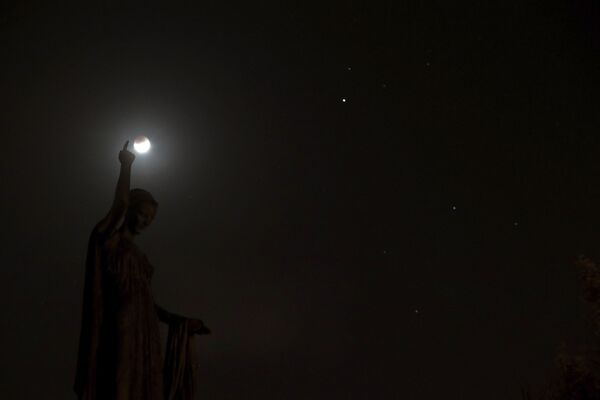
(141, 144)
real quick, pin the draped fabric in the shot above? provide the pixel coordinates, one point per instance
(179, 364)
(119, 349)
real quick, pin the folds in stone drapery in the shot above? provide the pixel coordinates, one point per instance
(179, 368)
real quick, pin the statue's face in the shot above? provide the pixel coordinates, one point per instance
(142, 217)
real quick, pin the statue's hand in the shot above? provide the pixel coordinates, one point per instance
(197, 326)
(125, 156)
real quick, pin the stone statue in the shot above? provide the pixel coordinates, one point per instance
(119, 347)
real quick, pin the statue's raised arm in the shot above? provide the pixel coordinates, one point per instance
(116, 215)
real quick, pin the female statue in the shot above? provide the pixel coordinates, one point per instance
(119, 348)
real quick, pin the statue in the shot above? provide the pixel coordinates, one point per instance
(119, 347)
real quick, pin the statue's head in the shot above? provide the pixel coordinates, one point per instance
(142, 210)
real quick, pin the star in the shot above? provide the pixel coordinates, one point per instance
(343, 100)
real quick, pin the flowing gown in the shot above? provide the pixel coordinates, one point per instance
(120, 351)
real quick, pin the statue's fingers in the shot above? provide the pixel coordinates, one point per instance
(126, 145)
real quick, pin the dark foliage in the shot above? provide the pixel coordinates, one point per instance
(579, 375)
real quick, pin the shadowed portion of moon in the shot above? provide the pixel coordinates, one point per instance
(141, 144)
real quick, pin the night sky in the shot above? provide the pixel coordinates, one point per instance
(362, 199)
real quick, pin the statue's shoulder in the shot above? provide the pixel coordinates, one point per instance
(103, 240)
(113, 241)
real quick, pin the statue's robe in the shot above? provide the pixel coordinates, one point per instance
(119, 348)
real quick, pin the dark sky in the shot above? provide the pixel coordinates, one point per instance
(413, 241)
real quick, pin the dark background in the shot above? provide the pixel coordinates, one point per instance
(414, 241)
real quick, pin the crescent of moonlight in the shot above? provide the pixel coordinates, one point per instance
(141, 144)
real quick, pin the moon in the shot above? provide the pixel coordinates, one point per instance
(141, 144)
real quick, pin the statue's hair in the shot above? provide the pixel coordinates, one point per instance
(139, 196)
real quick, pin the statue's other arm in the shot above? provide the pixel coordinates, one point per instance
(116, 215)
(167, 317)
(193, 325)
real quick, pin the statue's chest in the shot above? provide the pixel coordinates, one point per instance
(128, 266)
